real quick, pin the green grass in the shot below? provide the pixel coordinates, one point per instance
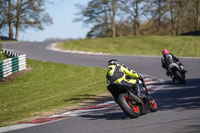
(4, 41)
(187, 46)
(46, 87)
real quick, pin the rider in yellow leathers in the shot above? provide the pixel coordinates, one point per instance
(120, 74)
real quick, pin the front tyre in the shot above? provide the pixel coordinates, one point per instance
(131, 109)
(179, 76)
(153, 105)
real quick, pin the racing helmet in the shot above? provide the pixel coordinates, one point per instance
(165, 51)
(113, 62)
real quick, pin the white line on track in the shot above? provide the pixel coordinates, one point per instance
(15, 127)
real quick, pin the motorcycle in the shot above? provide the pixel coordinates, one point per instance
(177, 72)
(130, 100)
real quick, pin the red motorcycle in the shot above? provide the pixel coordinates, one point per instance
(133, 100)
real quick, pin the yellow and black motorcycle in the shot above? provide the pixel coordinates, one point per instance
(134, 101)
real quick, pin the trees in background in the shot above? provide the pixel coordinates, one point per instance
(131, 8)
(196, 13)
(100, 16)
(22, 14)
(113, 11)
(3, 15)
(110, 18)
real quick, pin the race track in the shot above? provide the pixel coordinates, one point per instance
(179, 105)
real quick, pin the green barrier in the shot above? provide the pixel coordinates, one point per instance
(1, 74)
(14, 58)
(15, 71)
(1, 68)
(15, 68)
(12, 63)
(15, 64)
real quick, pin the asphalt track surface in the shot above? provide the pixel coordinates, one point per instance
(178, 105)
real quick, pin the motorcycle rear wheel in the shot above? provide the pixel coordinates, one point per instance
(130, 109)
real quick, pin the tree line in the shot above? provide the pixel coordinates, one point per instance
(18, 15)
(111, 18)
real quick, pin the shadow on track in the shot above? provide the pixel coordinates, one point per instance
(107, 116)
(176, 95)
(173, 95)
(190, 129)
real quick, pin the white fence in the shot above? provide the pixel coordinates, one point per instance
(15, 63)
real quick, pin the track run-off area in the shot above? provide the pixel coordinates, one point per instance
(178, 104)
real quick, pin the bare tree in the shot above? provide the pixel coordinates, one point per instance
(3, 15)
(10, 19)
(23, 14)
(31, 14)
(113, 18)
(197, 9)
(158, 9)
(17, 25)
(101, 15)
(178, 13)
(131, 7)
(110, 18)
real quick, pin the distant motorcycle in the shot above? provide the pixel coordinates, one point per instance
(130, 99)
(177, 72)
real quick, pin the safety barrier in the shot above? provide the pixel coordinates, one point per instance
(15, 63)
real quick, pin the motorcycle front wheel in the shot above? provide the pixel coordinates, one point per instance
(153, 105)
(130, 107)
(179, 76)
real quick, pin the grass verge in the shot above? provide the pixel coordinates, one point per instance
(46, 87)
(187, 46)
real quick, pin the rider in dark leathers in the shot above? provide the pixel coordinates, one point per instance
(169, 58)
